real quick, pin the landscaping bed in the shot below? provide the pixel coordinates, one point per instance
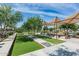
(52, 40)
(4, 35)
(23, 45)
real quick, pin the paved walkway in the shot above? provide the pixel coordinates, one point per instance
(43, 42)
(68, 48)
(6, 45)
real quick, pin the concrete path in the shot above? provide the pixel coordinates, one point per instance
(70, 46)
(43, 42)
(5, 46)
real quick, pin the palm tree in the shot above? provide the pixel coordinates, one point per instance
(33, 24)
(5, 14)
(0, 24)
(45, 28)
(26, 27)
(8, 18)
(16, 17)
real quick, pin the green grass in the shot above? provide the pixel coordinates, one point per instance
(23, 45)
(52, 40)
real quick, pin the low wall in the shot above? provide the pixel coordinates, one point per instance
(6, 48)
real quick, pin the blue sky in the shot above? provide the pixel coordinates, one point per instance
(46, 11)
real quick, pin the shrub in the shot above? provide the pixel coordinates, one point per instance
(3, 35)
(10, 33)
(77, 33)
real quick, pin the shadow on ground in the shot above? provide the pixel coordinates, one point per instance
(63, 52)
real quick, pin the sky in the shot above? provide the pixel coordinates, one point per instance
(47, 11)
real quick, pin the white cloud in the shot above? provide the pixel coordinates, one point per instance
(34, 9)
(62, 6)
(27, 10)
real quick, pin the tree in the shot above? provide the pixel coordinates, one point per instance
(45, 28)
(50, 29)
(8, 17)
(5, 14)
(33, 24)
(74, 27)
(16, 17)
(68, 27)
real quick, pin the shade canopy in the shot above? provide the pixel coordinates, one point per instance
(55, 20)
(72, 19)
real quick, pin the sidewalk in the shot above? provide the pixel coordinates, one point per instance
(43, 42)
(71, 45)
(5, 46)
(61, 38)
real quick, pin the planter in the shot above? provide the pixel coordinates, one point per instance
(8, 46)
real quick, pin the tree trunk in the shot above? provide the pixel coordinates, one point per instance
(67, 36)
